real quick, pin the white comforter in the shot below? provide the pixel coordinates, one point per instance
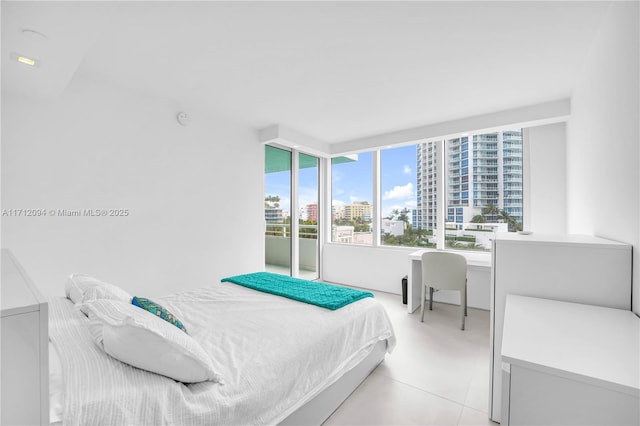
(274, 354)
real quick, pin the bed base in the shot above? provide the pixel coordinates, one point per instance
(316, 411)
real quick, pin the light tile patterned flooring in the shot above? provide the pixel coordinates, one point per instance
(284, 270)
(437, 374)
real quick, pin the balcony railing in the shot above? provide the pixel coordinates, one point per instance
(278, 248)
(284, 230)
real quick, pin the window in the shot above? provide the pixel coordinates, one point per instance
(482, 192)
(352, 199)
(425, 213)
(399, 189)
(283, 202)
(496, 177)
(308, 196)
(277, 209)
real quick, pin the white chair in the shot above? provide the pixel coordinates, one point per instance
(444, 271)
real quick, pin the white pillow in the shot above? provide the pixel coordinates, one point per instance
(139, 338)
(84, 288)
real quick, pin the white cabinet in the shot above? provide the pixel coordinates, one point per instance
(24, 348)
(572, 268)
(569, 364)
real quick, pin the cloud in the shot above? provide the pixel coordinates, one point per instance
(399, 192)
(406, 170)
(337, 203)
(307, 196)
(411, 204)
(285, 203)
(393, 207)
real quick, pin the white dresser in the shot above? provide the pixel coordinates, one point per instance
(571, 268)
(24, 348)
(569, 364)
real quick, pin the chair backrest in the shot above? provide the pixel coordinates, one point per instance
(443, 270)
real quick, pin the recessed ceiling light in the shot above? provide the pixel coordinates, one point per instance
(25, 60)
(32, 62)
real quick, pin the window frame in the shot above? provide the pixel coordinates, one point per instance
(441, 190)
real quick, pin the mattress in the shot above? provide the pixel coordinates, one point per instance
(273, 354)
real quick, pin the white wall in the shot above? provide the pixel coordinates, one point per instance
(545, 179)
(603, 181)
(194, 193)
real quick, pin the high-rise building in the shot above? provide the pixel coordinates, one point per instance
(512, 173)
(424, 216)
(483, 172)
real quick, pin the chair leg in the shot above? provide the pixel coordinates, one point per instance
(465, 298)
(422, 305)
(431, 298)
(463, 306)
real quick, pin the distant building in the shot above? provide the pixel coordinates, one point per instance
(311, 212)
(424, 216)
(393, 227)
(481, 170)
(273, 215)
(357, 210)
(342, 234)
(337, 213)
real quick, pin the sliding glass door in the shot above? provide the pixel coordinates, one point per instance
(277, 210)
(291, 208)
(308, 221)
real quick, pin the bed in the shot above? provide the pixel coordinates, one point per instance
(277, 361)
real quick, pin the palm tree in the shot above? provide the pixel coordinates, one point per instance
(394, 213)
(513, 224)
(403, 216)
(478, 219)
(490, 210)
(272, 201)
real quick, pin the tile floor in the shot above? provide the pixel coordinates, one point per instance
(284, 270)
(437, 374)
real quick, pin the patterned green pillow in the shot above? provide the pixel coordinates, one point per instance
(158, 311)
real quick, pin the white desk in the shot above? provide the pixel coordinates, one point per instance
(414, 290)
(568, 363)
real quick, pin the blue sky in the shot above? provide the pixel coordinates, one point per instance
(398, 180)
(352, 182)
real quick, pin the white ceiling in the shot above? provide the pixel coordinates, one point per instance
(333, 70)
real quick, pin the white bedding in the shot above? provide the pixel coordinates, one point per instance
(55, 385)
(273, 354)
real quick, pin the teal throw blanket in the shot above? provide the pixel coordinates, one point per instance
(316, 293)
